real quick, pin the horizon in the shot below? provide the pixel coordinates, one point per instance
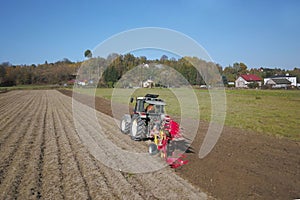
(152, 59)
(259, 34)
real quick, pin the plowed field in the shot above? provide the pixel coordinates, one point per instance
(42, 156)
(242, 165)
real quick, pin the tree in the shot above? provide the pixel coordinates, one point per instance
(295, 72)
(111, 76)
(67, 61)
(88, 53)
(163, 58)
(224, 79)
(2, 71)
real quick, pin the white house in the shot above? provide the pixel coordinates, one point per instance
(81, 82)
(292, 79)
(148, 84)
(278, 83)
(244, 80)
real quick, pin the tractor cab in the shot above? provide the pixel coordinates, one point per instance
(149, 104)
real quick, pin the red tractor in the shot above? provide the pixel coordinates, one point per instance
(149, 121)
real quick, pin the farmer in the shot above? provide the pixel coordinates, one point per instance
(150, 108)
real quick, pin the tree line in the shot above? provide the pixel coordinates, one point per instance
(48, 73)
(115, 66)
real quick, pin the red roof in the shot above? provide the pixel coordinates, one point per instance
(250, 77)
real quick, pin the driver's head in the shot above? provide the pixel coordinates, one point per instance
(150, 107)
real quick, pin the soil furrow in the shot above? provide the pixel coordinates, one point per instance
(61, 177)
(70, 164)
(15, 101)
(140, 189)
(6, 98)
(5, 103)
(48, 182)
(113, 179)
(13, 146)
(25, 174)
(95, 180)
(46, 158)
(29, 184)
(109, 151)
(138, 185)
(13, 117)
(41, 156)
(20, 160)
(112, 131)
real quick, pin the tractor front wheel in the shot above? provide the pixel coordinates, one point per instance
(152, 149)
(125, 124)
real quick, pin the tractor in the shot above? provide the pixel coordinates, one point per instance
(149, 121)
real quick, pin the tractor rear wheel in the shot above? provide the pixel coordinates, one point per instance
(138, 128)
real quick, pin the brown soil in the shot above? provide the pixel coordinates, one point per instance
(243, 164)
(42, 155)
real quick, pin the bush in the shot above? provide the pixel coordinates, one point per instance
(7, 83)
(253, 85)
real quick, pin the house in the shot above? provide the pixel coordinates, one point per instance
(245, 80)
(292, 79)
(148, 84)
(81, 82)
(278, 83)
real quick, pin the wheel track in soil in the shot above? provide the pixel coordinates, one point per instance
(19, 161)
(54, 163)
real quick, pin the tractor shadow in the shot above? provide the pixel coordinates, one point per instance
(184, 146)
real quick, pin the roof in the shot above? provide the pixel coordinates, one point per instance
(250, 77)
(160, 103)
(152, 95)
(281, 81)
(152, 99)
(282, 76)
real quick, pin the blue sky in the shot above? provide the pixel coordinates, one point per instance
(258, 33)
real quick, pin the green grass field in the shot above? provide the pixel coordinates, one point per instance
(275, 112)
(266, 111)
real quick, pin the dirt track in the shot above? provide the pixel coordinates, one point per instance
(42, 156)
